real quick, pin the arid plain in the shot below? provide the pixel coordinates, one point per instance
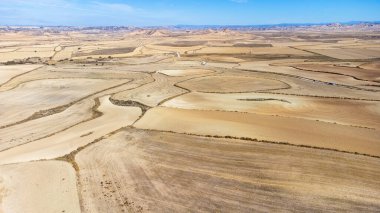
(168, 120)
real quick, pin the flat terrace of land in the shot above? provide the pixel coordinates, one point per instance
(231, 84)
(158, 120)
(152, 171)
(261, 127)
(310, 108)
(48, 186)
(113, 118)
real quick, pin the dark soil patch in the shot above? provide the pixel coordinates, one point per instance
(184, 43)
(108, 51)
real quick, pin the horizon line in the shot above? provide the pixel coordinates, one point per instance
(206, 25)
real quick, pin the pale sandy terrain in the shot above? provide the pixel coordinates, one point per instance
(252, 51)
(349, 53)
(21, 102)
(367, 113)
(64, 53)
(113, 118)
(308, 83)
(319, 72)
(48, 186)
(207, 120)
(178, 73)
(9, 56)
(9, 72)
(371, 75)
(150, 96)
(36, 129)
(263, 127)
(230, 84)
(371, 65)
(152, 171)
(226, 59)
(345, 49)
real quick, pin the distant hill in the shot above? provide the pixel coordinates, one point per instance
(276, 26)
(157, 30)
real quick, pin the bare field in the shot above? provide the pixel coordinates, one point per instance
(151, 171)
(231, 84)
(7, 73)
(113, 118)
(354, 72)
(367, 113)
(153, 120)
(263, 127)
(355, 53)
(178, 73)
(38, 187)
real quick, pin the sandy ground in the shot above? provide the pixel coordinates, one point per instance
(349, 53)
(9, 56)
(253, 51)
(178, 73)
(47, 186)
(152, 94)
(151, 171)
(358, 73)
(228, 84)
(23, 101)
(320, 72)
(36, 129)
(311, 83)
(8, 72)
(113, 118)
(263, 127)
(155, 120)
(367, 113)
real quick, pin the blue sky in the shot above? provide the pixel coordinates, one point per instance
(194, 12)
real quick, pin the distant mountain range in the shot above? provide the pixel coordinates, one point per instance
(269, 26)
(351, 24)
